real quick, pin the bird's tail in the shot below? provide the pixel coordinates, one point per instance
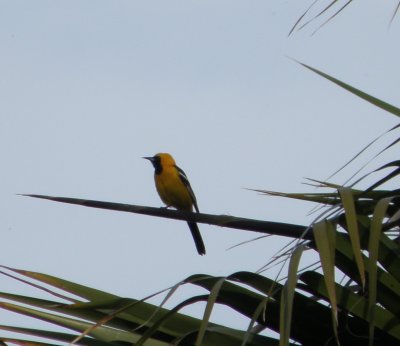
(198, 240)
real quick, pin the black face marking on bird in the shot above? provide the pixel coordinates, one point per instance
(156, 162)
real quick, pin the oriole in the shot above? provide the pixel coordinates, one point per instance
(175, 191)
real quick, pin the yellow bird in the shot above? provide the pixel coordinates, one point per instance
(175, 191)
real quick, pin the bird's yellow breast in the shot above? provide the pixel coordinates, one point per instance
(172, 190)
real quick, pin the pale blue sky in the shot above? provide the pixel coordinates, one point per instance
(88, 88)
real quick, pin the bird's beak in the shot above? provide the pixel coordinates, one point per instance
(148, 158)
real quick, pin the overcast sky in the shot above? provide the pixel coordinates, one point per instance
(88, 88)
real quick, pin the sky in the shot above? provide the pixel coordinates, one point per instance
(87, 90)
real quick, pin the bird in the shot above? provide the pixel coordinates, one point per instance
(175, 191)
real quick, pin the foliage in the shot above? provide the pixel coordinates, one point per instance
(323, 11)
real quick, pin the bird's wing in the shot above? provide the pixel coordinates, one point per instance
(184, 179)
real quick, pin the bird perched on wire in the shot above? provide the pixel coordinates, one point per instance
(175, 191)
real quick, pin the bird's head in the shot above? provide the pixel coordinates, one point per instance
(161, 160)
